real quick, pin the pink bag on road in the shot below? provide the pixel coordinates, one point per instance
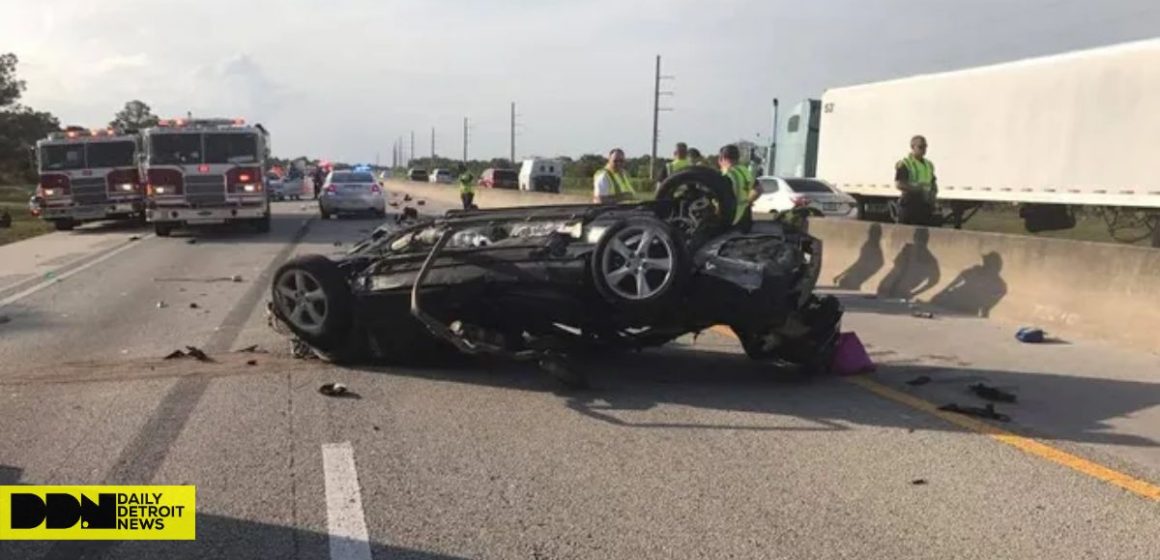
(850, 357)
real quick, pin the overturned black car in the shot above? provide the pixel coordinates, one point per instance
(541, 283)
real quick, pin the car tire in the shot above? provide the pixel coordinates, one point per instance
(66, 224)
(312, 298)
(709, 182)
(615, 262)
(163, 230)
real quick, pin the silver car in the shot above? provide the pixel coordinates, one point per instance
(351, 192)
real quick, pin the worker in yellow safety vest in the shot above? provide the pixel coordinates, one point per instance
(611, 184)
(745, 189)
(681, 159)
(466, 188)
(914, 177)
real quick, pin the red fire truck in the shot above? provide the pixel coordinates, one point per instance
(88, 175)
(205, 171)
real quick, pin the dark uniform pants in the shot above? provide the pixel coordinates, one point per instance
(468, 199)
(914, 209)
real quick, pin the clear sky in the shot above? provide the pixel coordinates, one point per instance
(342, 79)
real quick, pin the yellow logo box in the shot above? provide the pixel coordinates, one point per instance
(98, 513)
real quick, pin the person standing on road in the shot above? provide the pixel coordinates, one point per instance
(680, 159)
(914, 178)
(319, 179)
(611, 184)
(745, 189)
(466, 188)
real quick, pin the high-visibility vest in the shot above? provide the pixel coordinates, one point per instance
(920, 172)
(466, 184)
(621, 186)
(742, 187)
(678, 165)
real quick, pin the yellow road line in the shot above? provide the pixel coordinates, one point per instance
(1039, 449)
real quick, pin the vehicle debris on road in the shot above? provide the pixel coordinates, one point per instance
(189, 352)
(162, 305)
(987, 412)
(134, 238)
(236, 278)
(253, 349)
(251, 362)
(335, 390)
(923, 314)
(992, 393)
(191, 241)
(194, 305)
(1031, 335)
(918, 482)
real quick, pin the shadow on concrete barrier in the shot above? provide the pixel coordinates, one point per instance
(1070, 288)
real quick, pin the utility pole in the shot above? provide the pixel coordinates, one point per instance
(513, 134)
(657, 93)
(412, 145)
(464, 140)
(771, 154)
(432, 145)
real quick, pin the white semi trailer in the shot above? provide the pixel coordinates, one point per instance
(1080, 129)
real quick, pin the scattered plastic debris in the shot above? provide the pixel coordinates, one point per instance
(923, 314)
(422, 203)
(920, 380)
(134, 238)
(302, 351)
(992, 393)
(333, 389)
(918, 482)
(375, 428)
(251, 362)
(987, 412)
(175, 355)
(194, 305)
(1030, 335)
(394, 204)
(162, 305)
(236, 278)
(191, 241)
(254, 349)
(407, 198)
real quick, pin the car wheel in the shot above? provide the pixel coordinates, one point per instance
(66, 224)
(698, 201)
(312, 298)
(163, 230)
(639, 263)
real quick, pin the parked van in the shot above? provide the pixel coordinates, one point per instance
(541, 175)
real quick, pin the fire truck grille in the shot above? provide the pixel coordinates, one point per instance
(205, 189)
(89, 190)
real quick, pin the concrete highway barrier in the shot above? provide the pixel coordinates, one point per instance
(1068, 288)
(1093, 290)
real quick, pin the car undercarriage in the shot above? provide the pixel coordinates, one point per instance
(549, 282)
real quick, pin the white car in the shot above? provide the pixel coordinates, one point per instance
(441, 176)
(781, 194)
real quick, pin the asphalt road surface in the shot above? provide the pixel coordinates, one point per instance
(690, 451)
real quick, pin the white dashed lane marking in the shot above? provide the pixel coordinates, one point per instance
(344, 510)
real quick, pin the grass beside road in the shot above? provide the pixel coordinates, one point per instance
(14, 200)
